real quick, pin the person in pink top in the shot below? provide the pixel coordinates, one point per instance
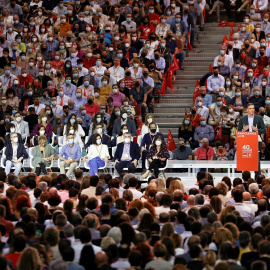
(116, 96)
(204, 152)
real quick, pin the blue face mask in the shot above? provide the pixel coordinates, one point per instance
(203, 123)
(76, 75)
(78, 95)
(23, 57)
(68, 81)
(119, 55)
(12, 66)
(187, 145)
(7, 72)
(68, 66)
(219, 103)
(178, 20)
(48, 66)
(14, 111)
(72, 121)
(29, 50)
(102, 111)
(187, 122)
(61, 47)
(18, 40)
(41, 74)
(86, 83)
(80, 66)
(70, 141)
(7, 120)
(267, 102)
(200, 145)
(237, 94)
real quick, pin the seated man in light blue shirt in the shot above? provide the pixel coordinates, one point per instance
(69, 156)
(215, 81)
(73, 58)
(207, 99)
(69, 88)
(86, 119)
(73, 109)
(79, 99)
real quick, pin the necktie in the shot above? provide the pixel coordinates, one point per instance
(61, 102)
(14, 55)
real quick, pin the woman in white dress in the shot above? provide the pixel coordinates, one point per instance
(149, 118)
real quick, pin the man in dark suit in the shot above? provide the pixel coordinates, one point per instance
(124, 121)
(15, 153)
(252, 123)
(127, 155)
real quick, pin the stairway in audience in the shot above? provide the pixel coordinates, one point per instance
(170, 111)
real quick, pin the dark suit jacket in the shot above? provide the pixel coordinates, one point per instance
(236, 54)
(235, 266)
(21, 152)
(105, 140)
(257, 121)
(117, 127)
(244, 101)
(262, 35)
(134, 151)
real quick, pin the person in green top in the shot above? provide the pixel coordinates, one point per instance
(42, 155)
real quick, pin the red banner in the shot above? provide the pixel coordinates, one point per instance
(225, 40)
(190, 48)
(175, 65)
(196, 91)
(231, 34)
(169, 78)
(247, 151)
(170, 142)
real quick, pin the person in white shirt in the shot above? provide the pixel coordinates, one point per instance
(133, 183)
(228, 60)
(21, 126)
(201, 110)
(246, 213)
(149, 118)
(99, 69)
(266, 119)
(247, 201)
(56, 109)
(7, 78)
(62, 99)
(236, 42)
(260, 5)
(136, 70)
(39, 107)
(98, 155)
(82, 70)
(117, 71)
(86, 87)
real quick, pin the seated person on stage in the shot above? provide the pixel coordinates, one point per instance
(21, 126)
(10, 128)
(148, 140)
(42, 155)
(40, 131)
(183, 152)
(104, 137)
(77, 137)
(15, 153)
(69, 156)
(127, 155)
(98, 155)
(157, 156)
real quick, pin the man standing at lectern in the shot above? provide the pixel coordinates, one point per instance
(252, 123)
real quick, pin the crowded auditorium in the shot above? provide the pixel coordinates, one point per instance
(134, 134)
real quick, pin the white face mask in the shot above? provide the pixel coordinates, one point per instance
(150, 120)
(42, 132)
(99, 130)
(127, 140)
(15, 139)
(199, 103)
(98, 119)
(12, 130)
(71, 131)
(263, 83)
(230, 110)
(16, 82)
(158, 143)
(18, 119)
(136, 65)
(124, 115)
(92, 74)
(125, 131)
(115, 91)
(98, 141)
(44, 119)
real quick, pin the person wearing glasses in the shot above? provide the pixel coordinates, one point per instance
(15, 154)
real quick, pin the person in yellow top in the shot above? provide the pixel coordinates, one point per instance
(249, 25)
(98, 98)
(105, 88)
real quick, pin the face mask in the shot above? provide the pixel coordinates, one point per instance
(262, 114)
(68, 65)
(267, 102)
(72, 121)
(177, 20)
(145, 74)
(237, 66)
(228, 83)
(42, 132)
(124, 115)
(127, 140)
(128, 73)
(41, 74)
(24, 75)
(12, 66)
(230, 110)
(78, 95)
(147, 45)
(117, 113)
(68, 81)
(50, 38)
(258, 29)
(71, 141)
(7, 72)
(98, 119)
(199, 103)
(219, 103)
(15, 139)
(221, 52)
(150, 120)
(268, 39)
(16, 82)
(263, 83)
(31, 64)
(205, 145)
(250, 74)
(238, 94)
(235, 77)
(98, 63)
(122, 85)
(83, 112)
(219, 63)
(104, 83)
(203, 123)
(115, 90)
(246, 84)
(187, 122)
(12, 129)
(61, 94)
(98, 141)
(256, 93)
(221, 94)
(44, 119)
(7, 120)
(158, 143)
(18, 119)
(48, 66)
